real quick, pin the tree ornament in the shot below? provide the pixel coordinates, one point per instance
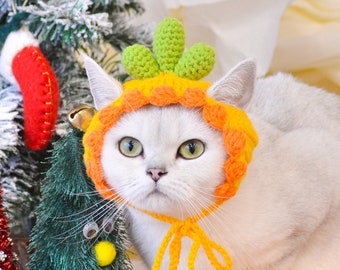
(90, 230)
(22, 63)
(7, 257)
(81, 116)
(105, 253)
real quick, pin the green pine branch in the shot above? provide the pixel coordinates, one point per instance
(18, 165)
(68, 23)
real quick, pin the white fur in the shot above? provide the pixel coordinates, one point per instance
(289, 104)
(240, 83)
(99, 80)
(161, 131)
(15, 42)
(286, 214)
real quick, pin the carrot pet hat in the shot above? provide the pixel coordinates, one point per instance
(164, 77)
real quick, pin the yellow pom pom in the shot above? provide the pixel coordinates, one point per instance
(105, 253)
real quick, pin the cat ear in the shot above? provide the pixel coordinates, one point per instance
(104, 89)
(237, 86)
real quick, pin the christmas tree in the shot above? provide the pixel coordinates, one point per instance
(73, 219)
(56, 30)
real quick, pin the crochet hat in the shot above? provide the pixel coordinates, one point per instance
(165, 77)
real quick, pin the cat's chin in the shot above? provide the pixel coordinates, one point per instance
(158, 202)
(156, 194)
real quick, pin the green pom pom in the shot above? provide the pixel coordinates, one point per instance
(168, 43)
(196, 63)
(139, 62)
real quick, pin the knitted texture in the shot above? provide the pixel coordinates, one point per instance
(40, 92)
(168, 43)
(177, 83)
(188, 228)
(168, 47)
(196, 63)
(139, 62)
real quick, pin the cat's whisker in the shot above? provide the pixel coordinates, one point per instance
(194, 209)
(118, 219)
(106, 206)
(87, 193)
(201, 202)
(194, 205)
(207, 223)
(128, 191)
(87, 210)
(210, 194)
(68, 218)
(113, 213)
(179, 206)
(80, 225)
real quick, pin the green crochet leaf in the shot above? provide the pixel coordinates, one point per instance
(139, 62)
(168, 47)
(168, 43)
(196, 63)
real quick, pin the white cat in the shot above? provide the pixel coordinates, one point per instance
(286, 214)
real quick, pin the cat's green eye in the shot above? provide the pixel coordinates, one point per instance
(191, 149)
(130, 147)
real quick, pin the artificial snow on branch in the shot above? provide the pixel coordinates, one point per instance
(70, 23)
(9, 102)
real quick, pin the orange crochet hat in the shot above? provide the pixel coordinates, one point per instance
(165, 77)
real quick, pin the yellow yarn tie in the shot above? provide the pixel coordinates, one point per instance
(188, 228)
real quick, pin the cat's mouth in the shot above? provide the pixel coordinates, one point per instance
(156, 192)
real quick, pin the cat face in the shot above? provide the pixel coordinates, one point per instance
(164, 159)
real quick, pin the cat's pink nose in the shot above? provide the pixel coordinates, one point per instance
(156, 173)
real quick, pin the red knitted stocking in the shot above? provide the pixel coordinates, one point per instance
(39, 87)
(22, 63)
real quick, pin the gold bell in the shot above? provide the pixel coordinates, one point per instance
(81, 116)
